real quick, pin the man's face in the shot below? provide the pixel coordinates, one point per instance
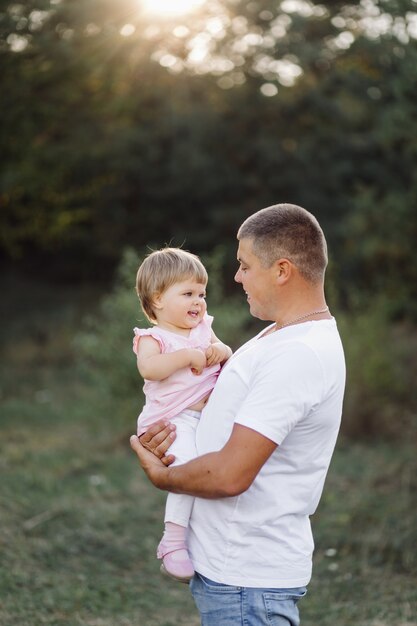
(257, 281)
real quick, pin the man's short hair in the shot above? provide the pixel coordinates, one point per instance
(288, 231)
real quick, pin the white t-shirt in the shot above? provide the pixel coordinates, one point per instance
(289, 387)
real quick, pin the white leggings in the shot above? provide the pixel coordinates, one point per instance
(178, 506)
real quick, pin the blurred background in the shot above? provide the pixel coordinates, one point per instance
(131, 124)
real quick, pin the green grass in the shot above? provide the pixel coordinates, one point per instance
(79, 524)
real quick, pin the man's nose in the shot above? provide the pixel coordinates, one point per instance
(237, 277)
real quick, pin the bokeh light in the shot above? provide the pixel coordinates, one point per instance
(171, 7)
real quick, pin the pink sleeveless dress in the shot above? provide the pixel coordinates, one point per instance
(169, 397)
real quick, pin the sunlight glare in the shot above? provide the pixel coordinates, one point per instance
(171, 7)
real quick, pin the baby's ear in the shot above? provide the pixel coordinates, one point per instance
(157, 301)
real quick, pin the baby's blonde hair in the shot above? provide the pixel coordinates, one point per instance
(163, 268)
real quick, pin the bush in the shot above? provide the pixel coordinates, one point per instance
(381, 361)
(105, 342)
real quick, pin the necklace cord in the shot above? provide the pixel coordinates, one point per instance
(302, 317)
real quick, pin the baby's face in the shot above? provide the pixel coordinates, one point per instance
(182, 306)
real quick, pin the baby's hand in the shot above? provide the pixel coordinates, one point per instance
(215, 354)
(197, 361)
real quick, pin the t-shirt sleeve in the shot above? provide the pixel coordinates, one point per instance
(283, 388)
(149, 332)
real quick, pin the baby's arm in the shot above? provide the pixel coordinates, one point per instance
(217, 352)
(154, 365)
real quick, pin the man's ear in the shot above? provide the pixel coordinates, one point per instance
(283, 270)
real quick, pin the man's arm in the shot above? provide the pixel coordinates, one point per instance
(225, 473)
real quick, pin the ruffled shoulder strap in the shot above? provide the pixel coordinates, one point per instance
(202, 332)
(149, 332)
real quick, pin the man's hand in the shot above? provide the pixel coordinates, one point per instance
(151, 464)
(158, 439)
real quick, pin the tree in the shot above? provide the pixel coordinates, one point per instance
(120, 128)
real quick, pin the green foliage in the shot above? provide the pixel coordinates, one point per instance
(103, 147)
(381, 369)
(104, 344)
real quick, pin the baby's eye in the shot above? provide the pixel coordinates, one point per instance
(202, 295)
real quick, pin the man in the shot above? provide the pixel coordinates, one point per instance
(266, 435)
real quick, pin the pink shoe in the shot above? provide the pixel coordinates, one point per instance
(175, 562)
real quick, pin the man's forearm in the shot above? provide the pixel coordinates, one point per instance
(202, 477)
(228, 472)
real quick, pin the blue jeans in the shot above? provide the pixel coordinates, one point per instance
(225, 605)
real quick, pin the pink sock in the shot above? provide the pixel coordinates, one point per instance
(174, 535)
(173, 551)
